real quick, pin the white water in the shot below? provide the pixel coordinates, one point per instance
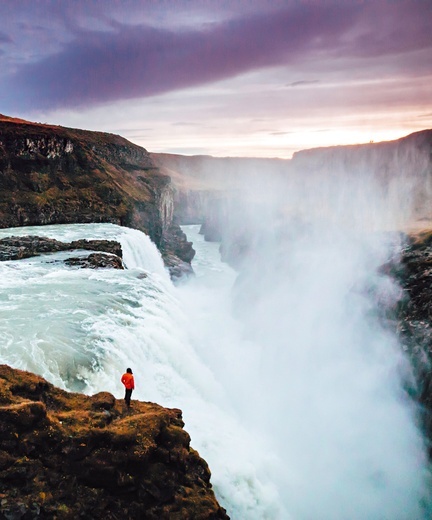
(296, 403)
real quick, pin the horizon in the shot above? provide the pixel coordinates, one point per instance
(248, 78)
(5, 118)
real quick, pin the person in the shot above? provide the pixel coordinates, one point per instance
(128, 380)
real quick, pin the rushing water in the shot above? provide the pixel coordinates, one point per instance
(294, 396)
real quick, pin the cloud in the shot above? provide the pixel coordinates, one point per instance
(393, 26)
(185, 123)
(303, 82)
(425, 116)
(5, 38)
(137, 61)
(118, 61)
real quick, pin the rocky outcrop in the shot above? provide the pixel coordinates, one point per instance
(110, 256)
(16, 248)
(96, 261)
(412, 317)
(55, 175)
(177, 247)
(69, 456)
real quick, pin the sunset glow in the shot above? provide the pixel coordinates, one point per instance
(253, 78)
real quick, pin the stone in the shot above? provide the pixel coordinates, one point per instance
(411, 317)
(96, 261)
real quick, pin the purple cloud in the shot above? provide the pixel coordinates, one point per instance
(134, 61)
(122, 61)
(303, 82)
(5, 38)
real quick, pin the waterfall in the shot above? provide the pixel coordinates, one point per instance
(292, 390)
(310, 365)
(80, 328)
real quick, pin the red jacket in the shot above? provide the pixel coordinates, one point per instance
(128, 380)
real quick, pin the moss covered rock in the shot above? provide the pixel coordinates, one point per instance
(67, 455)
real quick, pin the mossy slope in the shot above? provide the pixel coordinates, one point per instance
(68, 456)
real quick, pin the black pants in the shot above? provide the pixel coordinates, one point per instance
(128, 395)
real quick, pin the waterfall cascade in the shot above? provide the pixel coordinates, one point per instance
(293, 394)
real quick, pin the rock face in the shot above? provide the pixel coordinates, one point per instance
(202, 184)
(177, 247)
(402, 167)
(69, 456)
(208, 189)
(414, 314)
(54, 175)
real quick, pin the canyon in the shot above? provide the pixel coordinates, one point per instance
(54, 175)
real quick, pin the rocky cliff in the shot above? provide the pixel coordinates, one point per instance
(412, 317)
(50, 175)
(209, 190)
(404, 164)
(203, 184)
(68, 456)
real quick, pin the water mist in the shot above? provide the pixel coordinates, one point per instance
(291, 387)
(309, 367)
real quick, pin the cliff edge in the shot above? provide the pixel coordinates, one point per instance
(65, 455)
(55, 175)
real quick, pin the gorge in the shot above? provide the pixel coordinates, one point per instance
(299, 374)
(51, 174)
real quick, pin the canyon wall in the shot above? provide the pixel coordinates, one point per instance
(207, 188)
(395, 166)
(228, 197)
(55, 175)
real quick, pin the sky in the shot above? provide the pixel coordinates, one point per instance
(258, 78)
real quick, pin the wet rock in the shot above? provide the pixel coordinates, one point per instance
(178, 269)
(17, 247)
(96, 261)
(412, 316)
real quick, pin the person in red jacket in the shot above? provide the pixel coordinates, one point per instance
(128, 380)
